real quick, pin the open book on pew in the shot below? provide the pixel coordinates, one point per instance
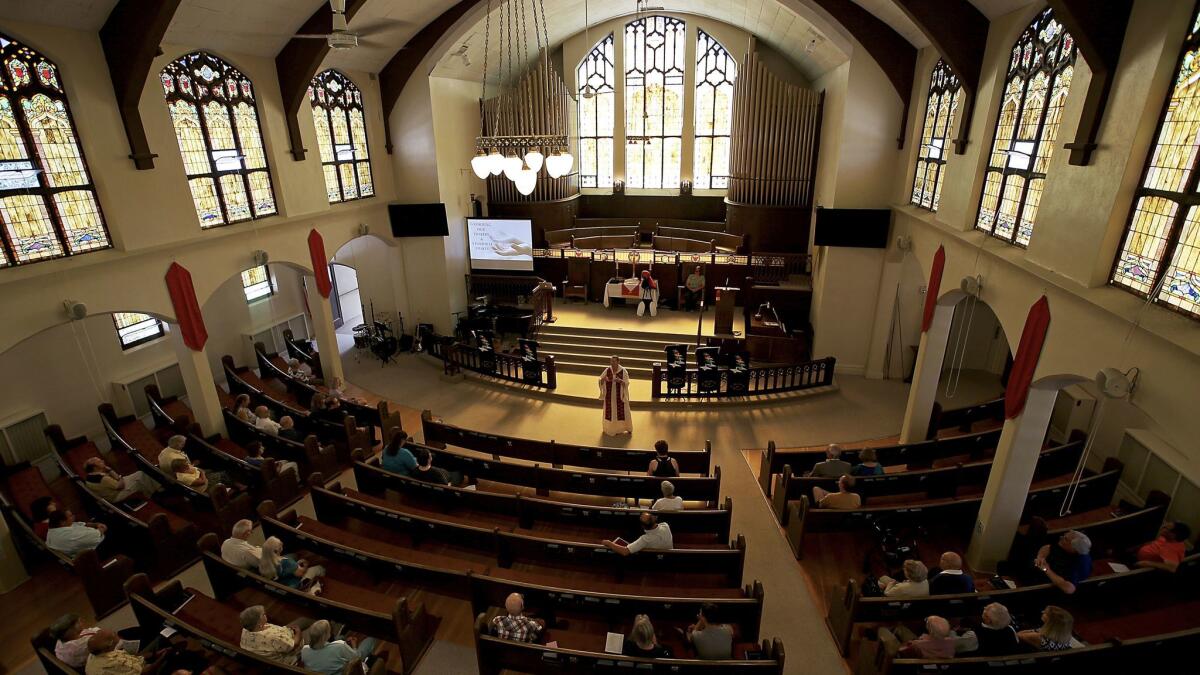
(614, 643)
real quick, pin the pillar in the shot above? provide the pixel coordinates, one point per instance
(12, 572)
(927, 374)
(1008, 484)
(201, 388)
(322, 328)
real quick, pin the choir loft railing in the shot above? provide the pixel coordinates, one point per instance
(455, 356)
(753, 382)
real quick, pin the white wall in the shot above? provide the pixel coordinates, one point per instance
(229, 318)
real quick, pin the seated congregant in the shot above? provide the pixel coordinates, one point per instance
(426, 471)
(656, 536)
(833, 466)
(663, 465)
(187, 474)
(255, 454)
(237, 550)
(287, 429)
(71, 634)
(111, 486)
(915, 584)
(106, 657)
(278, 643)
(867, 464)
(842, 499)
(710, 638)
(70, 537)
(287, 570)
(241, 408)
(1168, 549)
(515, 624)
(643, 642)
(331, 657)
(263, 421)
(1055, 634)
(397, 458)
(937, 642)
(668, 501)
(1065, 563)
(693, 289)
(995, 635)
(948, 577)
(173, 451)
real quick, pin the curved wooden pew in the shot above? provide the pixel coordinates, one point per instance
(271, 367)
(933, 483)
(159, 541)
(534, 512)
(310, 455)
(100, 573)
(383, 616)
(1092, 492)
(215, 625)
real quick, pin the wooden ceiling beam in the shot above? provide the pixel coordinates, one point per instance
(959, 32)
(395, 75)
(297, 63)
(895, 55)
(130, 38)
(1098, 27)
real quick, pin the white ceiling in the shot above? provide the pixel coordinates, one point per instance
(262, 27)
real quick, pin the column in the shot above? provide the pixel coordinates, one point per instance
(927, 373)
(322, 328)
(1008, 485)
(12, 572)
(200, 385)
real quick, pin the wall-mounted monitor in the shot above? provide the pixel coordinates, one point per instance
(858, 228)
(500, 244)
(418, 220)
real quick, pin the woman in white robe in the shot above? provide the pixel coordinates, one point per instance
(614, 392)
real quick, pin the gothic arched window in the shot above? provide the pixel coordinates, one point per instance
(716, 71)
(48, 204)
(342, 136)
(1160, 253)
(596, 79)
(940, 107)
(654, 81)
(1035, 90)
(216, 121)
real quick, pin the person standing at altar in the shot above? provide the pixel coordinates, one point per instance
(614, 391)
(649, 291)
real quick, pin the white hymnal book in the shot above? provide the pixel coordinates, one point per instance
(614, 643)
(1118, 567)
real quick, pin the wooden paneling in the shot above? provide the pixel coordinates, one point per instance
(775, 229)
(555, 215)
(684, 207)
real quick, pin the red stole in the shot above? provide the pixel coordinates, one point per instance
(608, 390)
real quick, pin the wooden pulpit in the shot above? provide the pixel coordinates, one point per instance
(726, 295)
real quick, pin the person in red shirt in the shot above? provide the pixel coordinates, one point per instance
(1168, 550)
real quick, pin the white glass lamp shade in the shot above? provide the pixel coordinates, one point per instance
(526, 180)
(534, 159)
(554, 164)
(481, 165)
(495, 162)
(568, 161)
(512, 165)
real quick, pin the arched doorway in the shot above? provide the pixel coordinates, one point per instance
(978, 358)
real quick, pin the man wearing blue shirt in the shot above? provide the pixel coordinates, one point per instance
(1067, 562)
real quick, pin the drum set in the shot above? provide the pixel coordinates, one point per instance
(377, 338)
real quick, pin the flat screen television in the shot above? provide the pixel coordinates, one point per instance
(857, 228)
(500, 244)
(418, 220)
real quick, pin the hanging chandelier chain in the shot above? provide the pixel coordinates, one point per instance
(546, 26)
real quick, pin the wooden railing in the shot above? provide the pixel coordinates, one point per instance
(509, 367)
(776, 267)
(765, 380)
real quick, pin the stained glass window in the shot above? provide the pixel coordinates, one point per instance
(1039, 77)
(1160, 253)
(940, 106)
(135, 329)
(716, 72)
(596, 79)
(256, 282)
(216, 122)
(654, 77)
(48, 204)
(341, 136)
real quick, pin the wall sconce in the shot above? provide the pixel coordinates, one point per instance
(618, 187)
(685, 187)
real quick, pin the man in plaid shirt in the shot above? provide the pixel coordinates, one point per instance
(515, 625)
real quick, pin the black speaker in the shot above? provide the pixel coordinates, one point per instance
(856, 228)
(418, 220)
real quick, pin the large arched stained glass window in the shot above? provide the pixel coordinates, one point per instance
(342, 136)
(1039, 77)
(48, 205)
(216, 121)
(940, 107)
(596, 79)
(1160, 253)
(654, 75)
(716, 72)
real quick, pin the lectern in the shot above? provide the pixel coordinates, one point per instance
(724, 302)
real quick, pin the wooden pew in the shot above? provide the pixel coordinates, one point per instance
(159, 541)
(966, 417)
(244, 381)
(511, 547)
(496, 655)
(439, 434)
(272, 367)
(915, 455)
(214, 625)
(310, 455)
(532, 512)
(1092, 492)
(101, 574)
(932, 483)
(362, 610)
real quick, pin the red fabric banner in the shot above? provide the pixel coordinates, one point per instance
(187, 309)
(316, 251)
(935, 287)
(1026, 360)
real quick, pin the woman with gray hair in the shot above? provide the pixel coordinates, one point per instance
(326, 655)
(915, 584)
(668, 501)
(287, 570)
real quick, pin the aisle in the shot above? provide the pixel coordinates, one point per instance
(860, 409)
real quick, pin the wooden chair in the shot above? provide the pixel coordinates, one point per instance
(576, 283)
